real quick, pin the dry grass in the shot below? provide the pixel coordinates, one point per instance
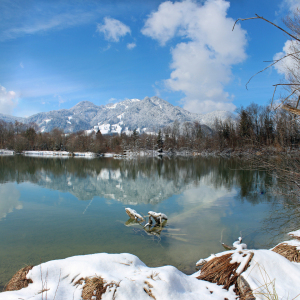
(288, 251)
(219, 270)
(19, 280)
(95, 287)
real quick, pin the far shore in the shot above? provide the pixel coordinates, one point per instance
(227, 153)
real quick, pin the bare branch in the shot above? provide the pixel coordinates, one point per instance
(243, 20)
(272, 64)
(262, 18)
(286, 84)
(284, 99)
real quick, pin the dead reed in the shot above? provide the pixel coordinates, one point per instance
(94, 287)
(288, 251)
(19, 280)
(219, 270)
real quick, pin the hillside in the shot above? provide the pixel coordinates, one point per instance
(145, 115)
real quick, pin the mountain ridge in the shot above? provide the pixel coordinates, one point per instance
(147, 115)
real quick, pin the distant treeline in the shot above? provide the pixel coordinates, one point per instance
(255, 126)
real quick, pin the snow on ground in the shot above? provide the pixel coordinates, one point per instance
(111, 107)
(46, 153)
(85, 154)
(120, 116)
(295, 233)
(104, 128)
(116, 128)
(129, 276)
(6, 152)
(269, 272)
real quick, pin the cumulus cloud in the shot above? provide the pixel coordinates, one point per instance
(289, 64)
(7, 100)
(288, 58)
(113, 29)
(131, 46)
(206, 51)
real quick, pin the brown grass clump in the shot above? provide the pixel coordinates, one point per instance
(288, 251)
(94, 287)
(19, 280)
(219, 270)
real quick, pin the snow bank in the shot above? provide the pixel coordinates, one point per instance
(85, 154)
(295, 234)
(130, 278)
(6, 152)
(46, 153)
(269, 272)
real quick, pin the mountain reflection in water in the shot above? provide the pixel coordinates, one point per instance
(133, 181)
(207, 200)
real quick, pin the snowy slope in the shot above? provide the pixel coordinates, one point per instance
(145, 115)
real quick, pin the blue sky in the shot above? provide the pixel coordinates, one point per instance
(54, 54)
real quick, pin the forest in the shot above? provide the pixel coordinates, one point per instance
(254, 128)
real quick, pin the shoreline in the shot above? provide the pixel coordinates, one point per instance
(240, 272)
(226, 153)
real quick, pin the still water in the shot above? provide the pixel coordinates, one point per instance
(53, 208)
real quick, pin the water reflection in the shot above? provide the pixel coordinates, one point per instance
(9, 199)
(135, 181)
(207, 201)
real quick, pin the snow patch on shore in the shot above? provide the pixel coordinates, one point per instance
(129, 276)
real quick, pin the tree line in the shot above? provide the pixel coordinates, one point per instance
(255, 127)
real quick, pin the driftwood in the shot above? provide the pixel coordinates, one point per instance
(158, 217)
(228, 247)
(134, 215)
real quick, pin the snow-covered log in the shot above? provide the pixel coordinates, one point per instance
(158, 217)
(134, 215)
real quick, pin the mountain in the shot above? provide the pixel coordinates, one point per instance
(145, 115)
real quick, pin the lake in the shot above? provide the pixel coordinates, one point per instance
(52, 208)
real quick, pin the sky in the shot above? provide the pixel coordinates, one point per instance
(54, 54)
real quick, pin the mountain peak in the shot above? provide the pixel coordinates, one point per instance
(84, 104)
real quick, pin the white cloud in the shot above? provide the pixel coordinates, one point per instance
(7, 100)
(288, 65)
(61, 100)
(113, 29)
(292, 4)
(202, 64)
(57, 22)
(131, 46)
(21, 65)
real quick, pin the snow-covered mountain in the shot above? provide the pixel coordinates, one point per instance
(145, 115)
